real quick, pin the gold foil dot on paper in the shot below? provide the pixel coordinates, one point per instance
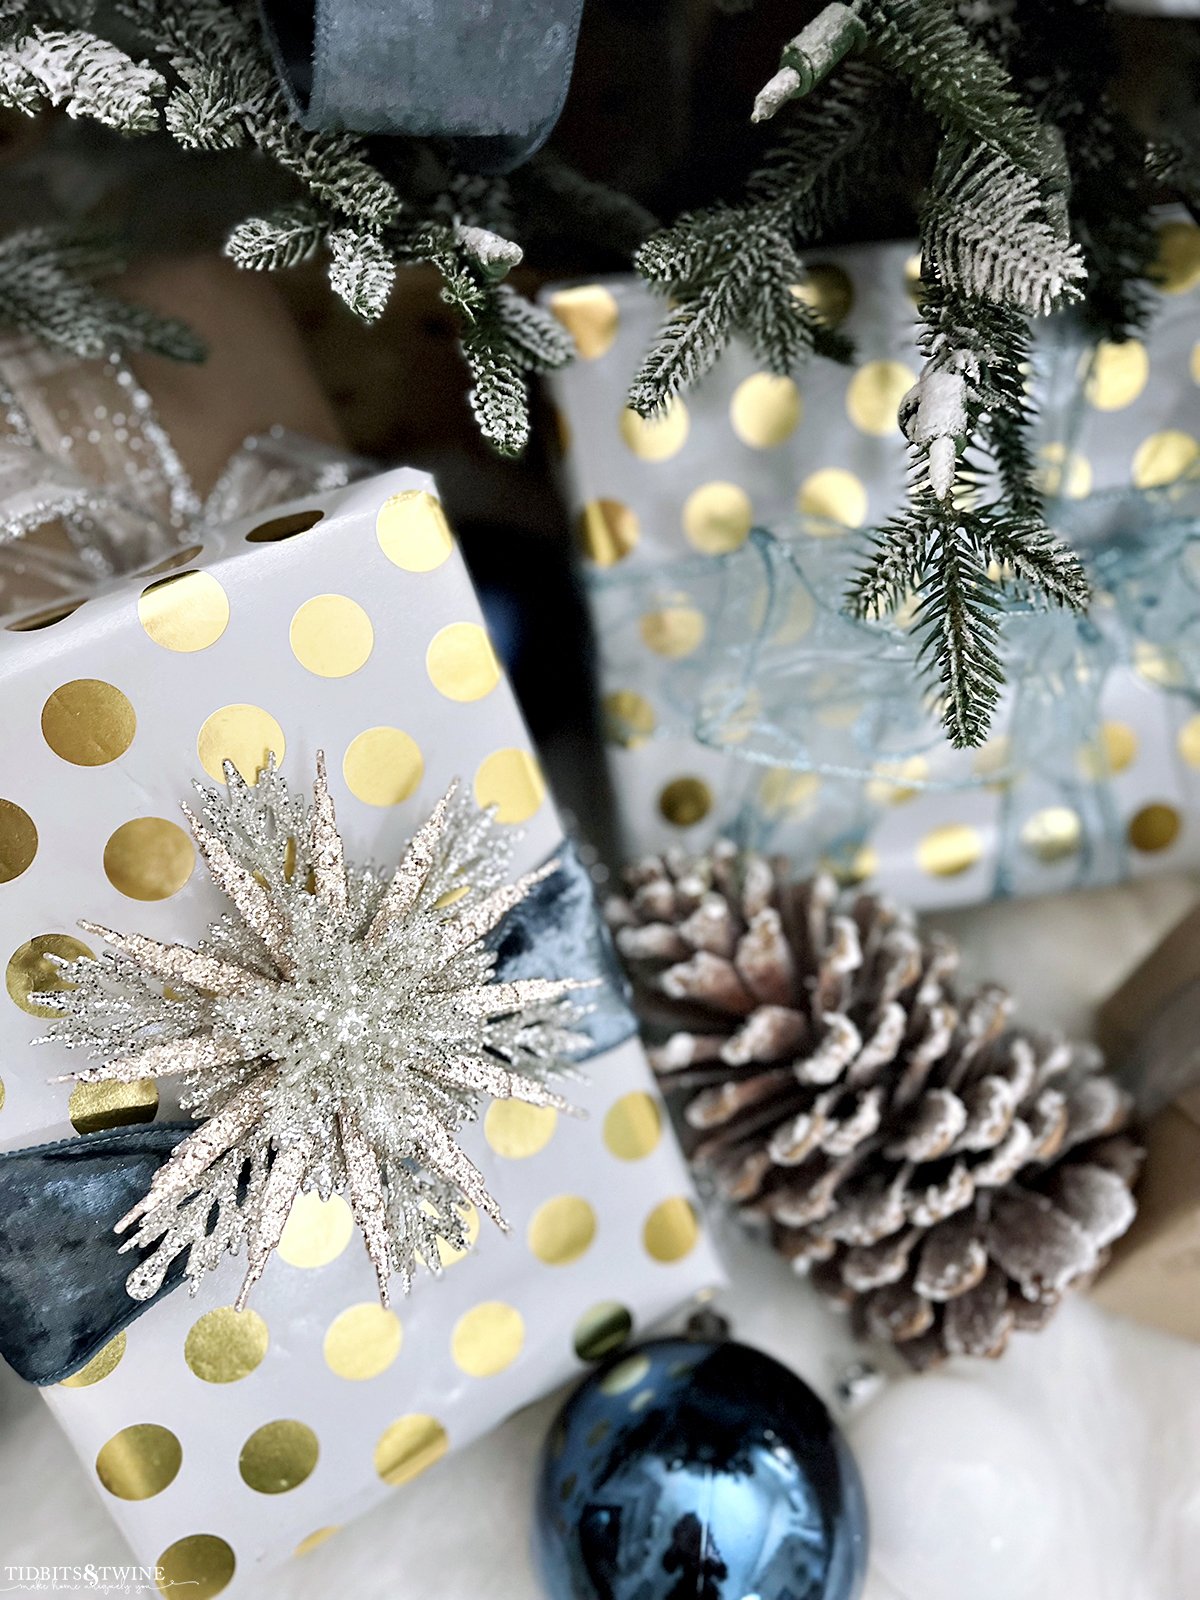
(1188, 739)
(409, 1447)
(717, 518)
(226, 1345)
(671, 1230)
(685, 801)
(853, 868)
(277, 1457)
(673, 631)
(782, 790)
(834, 495)
(186, 612)
(993, 759)
(285, 527)
(517, 1131)
(316, 1231)
(1063, 471)
(1177, 267)
(487, 1339)
(896, 782)
(828, 291)
(412, 531)
(244, 734)
(590, 314)
(363, 1341)
(1194, 365)
(149, 858)
(1114, 751)
(633, 1126)
(88, 722)
(626, 1375)
(30, 971)
(1163, 458)
(44, 619)
(383, 766)
(629, 718)
(873, 396)
(602, 1329)
(200, 1567)
(608, 531)
(512, 781)
(1157, 666)
(659, 437)
(461, 662)
(1052, 834)
(94, 1106)
(139, 1462)
(561, 1230)
(1154, 827)
(914, 284)
(765, 410)
(315, 1540)
(1118, 374)
(331, 636)
(103, 1363)
(946, 851)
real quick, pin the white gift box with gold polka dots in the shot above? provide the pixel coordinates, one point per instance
(223, 1442)
(655, 502)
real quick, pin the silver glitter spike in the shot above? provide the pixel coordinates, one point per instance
(368, 1197)
(283, 1185)
(176, 1058)
(329, 856)
(178, 963)
(261, 914)
(414, 869)
(479, 921)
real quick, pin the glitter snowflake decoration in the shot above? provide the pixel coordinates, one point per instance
(331, 1032)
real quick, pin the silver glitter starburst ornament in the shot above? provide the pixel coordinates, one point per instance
(331, 1032)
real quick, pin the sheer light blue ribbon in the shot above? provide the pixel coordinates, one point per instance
(62, 1273)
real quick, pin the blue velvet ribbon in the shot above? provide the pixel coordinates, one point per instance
(62, 1273)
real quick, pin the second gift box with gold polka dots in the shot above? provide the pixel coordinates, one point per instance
(222, 1440)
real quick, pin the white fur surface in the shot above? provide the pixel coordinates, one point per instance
(1117, 1405)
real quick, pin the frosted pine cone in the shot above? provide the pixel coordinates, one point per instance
(945, 1175)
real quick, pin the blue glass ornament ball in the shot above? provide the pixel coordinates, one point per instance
(692, 1470)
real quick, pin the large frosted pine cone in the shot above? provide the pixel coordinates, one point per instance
(944, 1174)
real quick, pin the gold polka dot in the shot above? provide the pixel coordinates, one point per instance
(1063, 471)
(946, 851)
(685, 801)
(225, 1345)
(590, 315)
(512, 781)
(277, 1457)
(608, 531)
(139, 1462)
(671, 1230)
(517, 1131)
(673, 631)
(244, 734)
(363, 1341)
(94, 1106)
(187, 611)
(30, 971)
(897, 782)
(1177, 268)
(1052, 834)
(1163, 458)
(331, 635)
(828, 291)
(200, 1566)
(409, 1447)
(487, 1339)
(717, 517)
(782, 790)
(834, 495)
(461, 663)
(88, 722)
(98, 1368)
(656, 438)
(383, 766)
(1154, 827)
(1115, 750)
(316, 1231)
(1188, 739)
(765, 410)
(561, 1230)
(853, 867)
(1157, 666)
(874, 394)
(1118, 374)
(412, 531)
(914, 284)
(286, 527)
(37, 620)
(629, 718)
(993, 760)
(149, 858)
(602, 1329)
(633, 1126)
(314, 1541)
(625, 1375)
(1195, 363)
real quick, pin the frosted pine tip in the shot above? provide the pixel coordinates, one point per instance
(775, 94)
